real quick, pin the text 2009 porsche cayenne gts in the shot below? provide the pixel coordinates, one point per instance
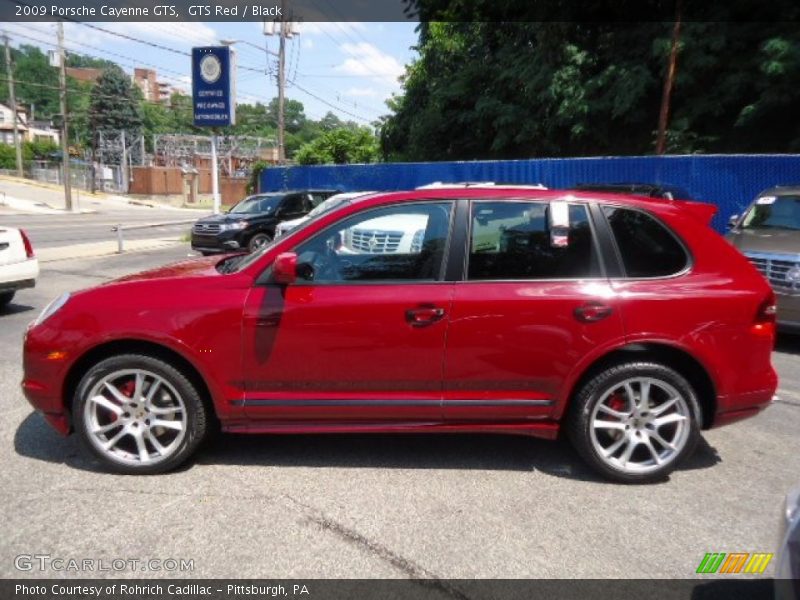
(626, 323)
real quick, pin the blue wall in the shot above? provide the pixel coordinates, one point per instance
(729, 181)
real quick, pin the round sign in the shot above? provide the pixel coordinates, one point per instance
(210, 68)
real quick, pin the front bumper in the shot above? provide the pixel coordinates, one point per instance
(43, 380)
(788, 311)
(224, 241)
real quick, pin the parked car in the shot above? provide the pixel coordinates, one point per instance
(251, 223)
(768, 234)
(625, 323)
(329, 204)
(664, 191)
(19, 266)
(787, 565)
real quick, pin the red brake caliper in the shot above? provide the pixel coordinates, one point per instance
(127, 389)
(616, 402)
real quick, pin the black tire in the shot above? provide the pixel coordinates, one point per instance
(6, 298)
(257, 241)
(587, 439)
(197, 416)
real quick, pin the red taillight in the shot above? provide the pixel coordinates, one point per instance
(764, 323)
(27, 243)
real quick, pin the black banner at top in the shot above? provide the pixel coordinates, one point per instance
(627, 11)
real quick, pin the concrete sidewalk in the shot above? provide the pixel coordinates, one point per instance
(36, 197)
(74, 251)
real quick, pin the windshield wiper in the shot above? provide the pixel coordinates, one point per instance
(228, 265)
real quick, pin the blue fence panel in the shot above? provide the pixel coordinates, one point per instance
(729, 181)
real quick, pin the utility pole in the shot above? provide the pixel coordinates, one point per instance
(62, 84)
(284, 30)
(282, 92)
(669, 80)
(13, 98)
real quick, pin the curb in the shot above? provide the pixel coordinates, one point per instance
(77, 252)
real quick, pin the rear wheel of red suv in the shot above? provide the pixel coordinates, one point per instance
(635, 422)
(139, 414)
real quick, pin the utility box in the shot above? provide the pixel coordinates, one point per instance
(191, 185)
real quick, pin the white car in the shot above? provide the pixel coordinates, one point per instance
(337, 200)
(19, 267)
(392, 234)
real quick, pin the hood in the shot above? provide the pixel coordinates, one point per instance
(224, 218)
(771, 241)
(187, 268)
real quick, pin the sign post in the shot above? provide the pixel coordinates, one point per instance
(214, 98)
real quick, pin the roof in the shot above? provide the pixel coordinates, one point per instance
(479, 184)
(666, 190)
(782, 190)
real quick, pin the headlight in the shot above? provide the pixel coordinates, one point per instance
(52, 308)
(232, 226)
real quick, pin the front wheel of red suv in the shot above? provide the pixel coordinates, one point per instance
(635, 422)
(139, 414)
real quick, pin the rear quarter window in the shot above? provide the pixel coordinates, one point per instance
(647, 248)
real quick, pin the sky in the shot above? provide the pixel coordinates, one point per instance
(351, 67)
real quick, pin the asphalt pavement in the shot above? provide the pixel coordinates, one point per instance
(39, 210)
(445, 506)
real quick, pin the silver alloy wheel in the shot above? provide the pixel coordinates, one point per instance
(640, 425)
(135, 417)
(258, 241)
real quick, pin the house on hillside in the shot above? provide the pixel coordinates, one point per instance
(34, 131)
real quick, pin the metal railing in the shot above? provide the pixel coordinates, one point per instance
(119, 228)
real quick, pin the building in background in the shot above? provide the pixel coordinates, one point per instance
(84, 74)
(152, 89)
(34, 131)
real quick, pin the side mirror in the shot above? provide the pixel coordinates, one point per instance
(732, 221)
(284, 269)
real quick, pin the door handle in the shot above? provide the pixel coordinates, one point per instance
(424, 315)
(592, 312)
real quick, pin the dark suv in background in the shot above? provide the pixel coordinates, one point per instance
(768, 234)
(251, 223)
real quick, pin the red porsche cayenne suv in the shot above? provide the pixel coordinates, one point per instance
(625, 323)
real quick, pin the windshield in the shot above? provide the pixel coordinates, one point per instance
(257, 204)
(329, 204)
(774, 212)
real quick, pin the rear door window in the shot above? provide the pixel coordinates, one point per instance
(512, 240)
(647, 248)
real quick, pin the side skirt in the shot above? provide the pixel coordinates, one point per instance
(540, 429)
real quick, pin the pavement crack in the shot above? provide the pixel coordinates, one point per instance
(412, 570)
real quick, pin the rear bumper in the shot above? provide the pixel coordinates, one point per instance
(19, 275)
(743, 406)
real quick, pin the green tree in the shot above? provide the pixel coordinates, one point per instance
(36, 81)
(340, 146)
(541, 86)
(114, 106)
